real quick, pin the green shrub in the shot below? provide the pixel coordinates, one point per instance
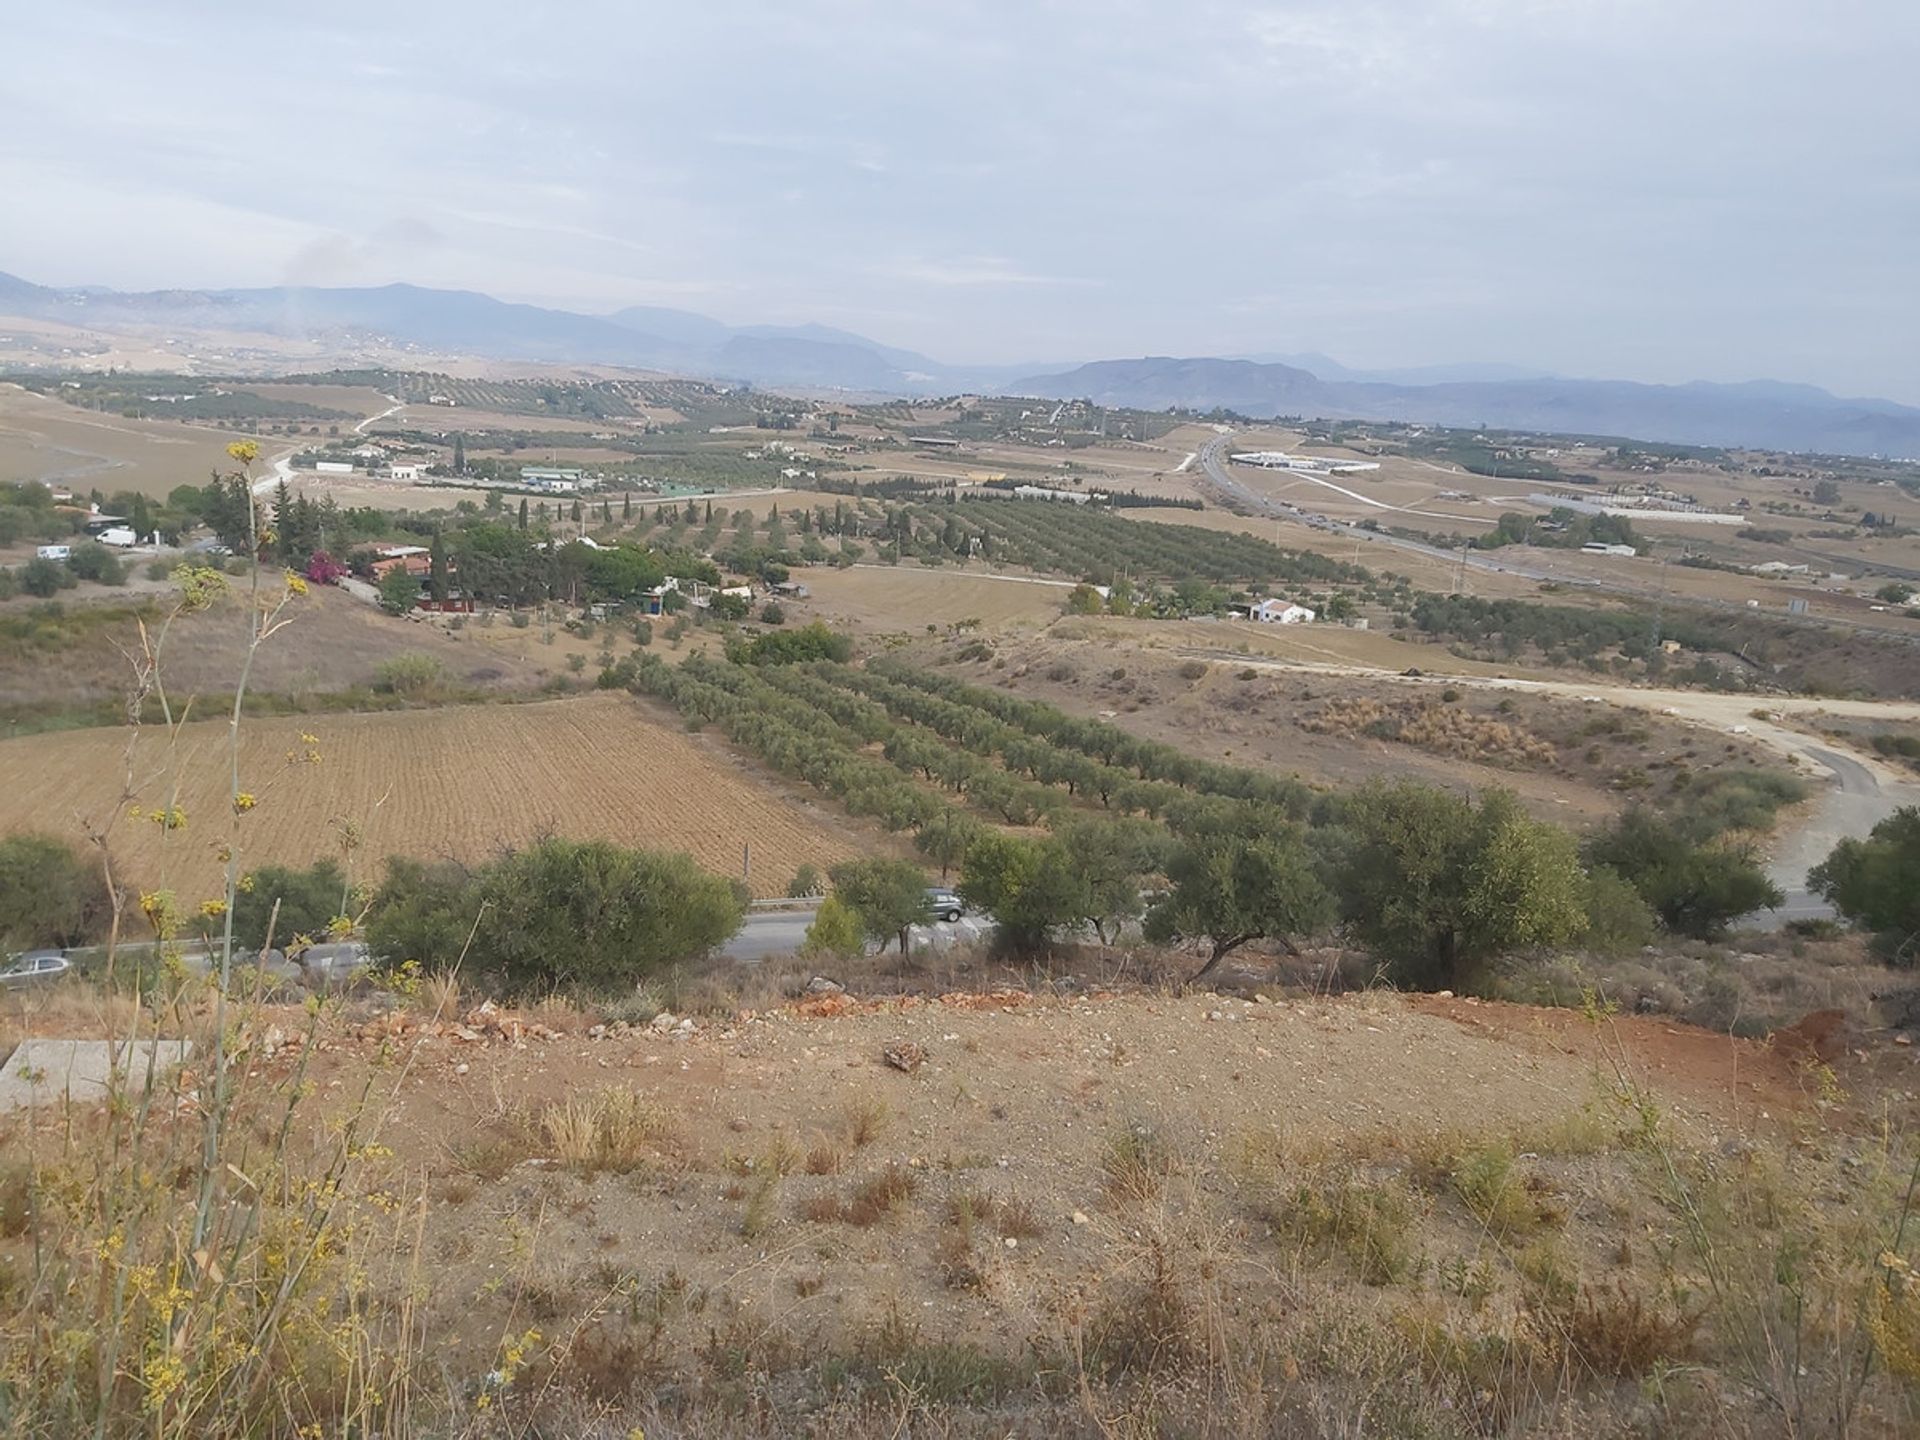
(1875, 882)
(50, 894)
(309, 900)
(1618, 920)
(836, 933)
(788, 647)
(558, 914)
(410, 674)
(44, 578)
(1695, 886)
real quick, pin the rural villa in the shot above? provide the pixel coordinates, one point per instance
(1279, 612)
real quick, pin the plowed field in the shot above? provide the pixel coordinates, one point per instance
(460, 782)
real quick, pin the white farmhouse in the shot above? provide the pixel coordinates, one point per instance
(1280, 612)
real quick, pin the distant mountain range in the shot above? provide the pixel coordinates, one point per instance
(1761, 414)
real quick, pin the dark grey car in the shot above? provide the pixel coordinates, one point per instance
(335, 963)
(943, 904)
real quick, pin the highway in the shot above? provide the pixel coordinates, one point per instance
(1214, 459)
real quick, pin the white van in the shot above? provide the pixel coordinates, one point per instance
(55, 552)
(119, 536)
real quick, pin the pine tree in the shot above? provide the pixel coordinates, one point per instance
(574, 513)
(523, 512)
(282, 518)
(626, 506)
(606, 512)
(459, 454)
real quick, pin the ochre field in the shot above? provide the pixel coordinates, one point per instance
(460, 782)
(907, 597)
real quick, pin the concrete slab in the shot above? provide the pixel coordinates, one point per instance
(43, 1072)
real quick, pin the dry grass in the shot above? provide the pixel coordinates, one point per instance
(1010, 1216)
(871, 1201)
(614, 1129)
(865, 1119)
(1135, 1164)
(439, 995)
(1439, 728)
(1498, 1195)
(1616, 1330)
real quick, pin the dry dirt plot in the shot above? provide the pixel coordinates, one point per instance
(905, 597)
(44, 439)
(459, 782)
(792, 1196)
(1308, 644)
(354, 399)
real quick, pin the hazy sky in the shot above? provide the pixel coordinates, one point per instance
(1654, 189)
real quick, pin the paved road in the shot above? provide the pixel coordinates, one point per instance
(280, 467)
(1853, 802)
(768, 933)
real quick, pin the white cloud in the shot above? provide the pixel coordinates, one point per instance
(1590, 185)
(976, 270)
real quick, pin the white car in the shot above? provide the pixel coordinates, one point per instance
(55, 552)
(36, 967)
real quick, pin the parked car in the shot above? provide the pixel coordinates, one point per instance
(55, 552)
(943, 904)
(334, 963)
(35, 967)
(269, 962)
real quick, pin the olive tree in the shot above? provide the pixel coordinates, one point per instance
(890, 896)
(1875, 882)
(1437, 885)
(48, 894)
(1233, 888)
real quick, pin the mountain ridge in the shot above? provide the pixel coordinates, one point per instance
(1766, 414)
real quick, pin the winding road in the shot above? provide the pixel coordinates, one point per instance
(1853, 792)
(280, 468)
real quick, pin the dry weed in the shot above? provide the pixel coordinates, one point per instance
(614, 1129)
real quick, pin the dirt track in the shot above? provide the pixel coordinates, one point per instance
(1855, 792)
